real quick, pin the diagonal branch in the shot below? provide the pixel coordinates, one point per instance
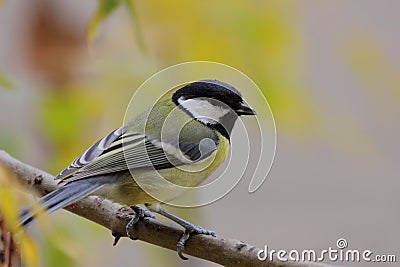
(227, 252)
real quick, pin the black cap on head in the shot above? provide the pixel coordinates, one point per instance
(212, 89)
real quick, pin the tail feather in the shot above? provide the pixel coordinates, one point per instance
(60, 198)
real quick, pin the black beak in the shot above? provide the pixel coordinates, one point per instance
(245, 109)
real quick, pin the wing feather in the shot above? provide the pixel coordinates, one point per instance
(121, 152)
(92, 153)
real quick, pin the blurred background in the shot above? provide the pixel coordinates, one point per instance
(329, 70)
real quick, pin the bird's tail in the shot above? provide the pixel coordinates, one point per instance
(59, 199)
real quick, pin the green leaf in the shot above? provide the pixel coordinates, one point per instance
(104, 9)
(5, 82)
(138, 34)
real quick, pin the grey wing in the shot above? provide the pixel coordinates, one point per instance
(134, 151)
(92, 153)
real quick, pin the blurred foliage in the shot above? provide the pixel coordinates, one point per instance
(59, 246)
(9, 205)
(5, 82)
(371, 65)
(70, 119)
(104, 9)
(256, 37)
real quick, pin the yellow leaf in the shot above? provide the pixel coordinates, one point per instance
(9, 205)
(29, 251)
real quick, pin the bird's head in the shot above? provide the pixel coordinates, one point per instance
(213, 103)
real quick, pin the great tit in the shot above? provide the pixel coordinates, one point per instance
(183, 138)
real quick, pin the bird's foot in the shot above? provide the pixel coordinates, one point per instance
(140, 213)
(117, 237)
(191, 229)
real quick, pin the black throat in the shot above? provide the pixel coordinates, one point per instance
(224, 126)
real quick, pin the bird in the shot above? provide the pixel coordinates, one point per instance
(179, 141)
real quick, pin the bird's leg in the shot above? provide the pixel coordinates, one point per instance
(190, 229)
(140, 213)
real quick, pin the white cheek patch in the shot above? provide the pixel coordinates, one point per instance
(203, 110)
